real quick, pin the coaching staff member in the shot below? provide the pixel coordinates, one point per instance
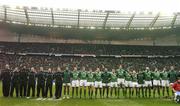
(6, 80)
(15, 82)
(23, 81)
(41, 82)
(49, 83)
(31, 82)
(58, 76)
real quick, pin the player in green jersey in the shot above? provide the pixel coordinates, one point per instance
(98, 82)
(156, 82)
(66, 82)
(83, 81)
(105, 82)
(148, 82)
(141, 83)
(121, 79)
(113, 82)
(128, 80)
(134, 84)
(172, 76)
(90, 82)
(75, 81)
(164, 81)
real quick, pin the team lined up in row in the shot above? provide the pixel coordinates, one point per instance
(107, 82)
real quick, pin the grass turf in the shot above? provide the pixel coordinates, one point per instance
(85, 102)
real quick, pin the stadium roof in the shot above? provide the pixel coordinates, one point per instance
(88, 19)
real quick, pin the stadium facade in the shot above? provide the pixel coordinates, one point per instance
(83, 26)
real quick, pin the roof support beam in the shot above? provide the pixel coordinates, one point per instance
(130, 21)
(5, 13)
(79, 11)
(105, 20)
(27, 16)
(174, 20)
(52, 16)
(154, 20)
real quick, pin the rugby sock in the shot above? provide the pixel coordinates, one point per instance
(80, 92)
(85, 92)
(167, 89)
(158, 89)
(72, 92)
(115, 91)
(107, 92)
(103, 91)
(163, 91)
(118, 91)
(64, 90)
(96, 92)
(89, 91)
(122, 90)
(149, 92)
(142, 88)
(68, 90)
(154, 91)
(77, 91)
(132, 91)
(111, 91)
(146, 92)
(137, 92)
(125, 92)
(129, 92)
(100, 92)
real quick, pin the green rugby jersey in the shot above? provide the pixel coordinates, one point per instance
(97, 76)
(83, 75)
(140, 78)
(172, 76)
(164, 75)
(156, 75)
(105, 77)
(128, 77)
(120, 73)
(134, 77)
(66, 76)
(90, 77)
(147, 75)
(113, 77)
(75, 75)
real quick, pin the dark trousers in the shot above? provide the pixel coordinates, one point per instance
(58, 90)
(6, 88)
(40, 88)
(31, 86)
(14, 86)
(23, 88)
(48, 88)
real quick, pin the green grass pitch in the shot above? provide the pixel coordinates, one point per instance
(85, 102)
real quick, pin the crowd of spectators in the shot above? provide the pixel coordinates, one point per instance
(97, 49)
(53, 62)
(89, 62)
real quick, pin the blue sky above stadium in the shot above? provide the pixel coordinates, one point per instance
(163, 6)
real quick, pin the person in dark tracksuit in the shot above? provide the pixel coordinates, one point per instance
(15, 82)
(23, 81)
(31, 82)
(40, 82)
(49, 83)
(6, 80)
(58, 76)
